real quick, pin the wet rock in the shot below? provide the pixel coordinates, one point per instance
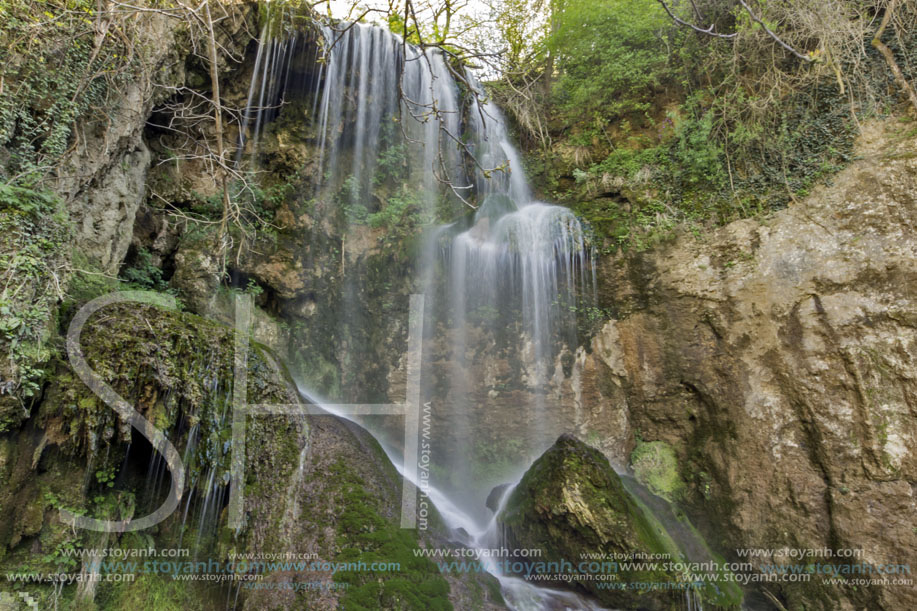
(570, 503)
(496, 497)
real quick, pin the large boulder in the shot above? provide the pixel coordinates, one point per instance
(572, 506)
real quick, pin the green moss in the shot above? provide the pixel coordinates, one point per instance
(158, 592)
(571, 502)
(366, 536)
(656, 467)
(174, 367)
(173, 363)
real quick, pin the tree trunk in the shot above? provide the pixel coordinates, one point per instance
(890, 57)
(218, 125)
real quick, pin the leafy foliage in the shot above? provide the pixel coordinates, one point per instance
(55, 70)
(610, 57)
(144, 273)
(401, 211)
(654, 126)
(32, 235)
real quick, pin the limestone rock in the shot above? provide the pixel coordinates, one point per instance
(104, 215)
(777, 358)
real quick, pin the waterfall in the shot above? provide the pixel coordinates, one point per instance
(513, 274)
(266, 92)
(501, 280)
(373, 86)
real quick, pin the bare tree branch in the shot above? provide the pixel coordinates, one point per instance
(708, 31)
(229, 212)
(770, 33)
(890, 57)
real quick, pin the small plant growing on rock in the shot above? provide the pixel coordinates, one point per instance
(656, 467)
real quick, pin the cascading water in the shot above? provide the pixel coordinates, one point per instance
(512, 276)
(501, 283)
(365, 62)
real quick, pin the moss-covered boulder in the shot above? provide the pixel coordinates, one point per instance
(572, 506)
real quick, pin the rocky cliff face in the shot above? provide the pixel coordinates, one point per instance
(98, 185)
(103, 177)
(777, 359)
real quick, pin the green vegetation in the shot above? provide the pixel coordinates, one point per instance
(144, 274)
(32, 268)
(643, 126)
(391, 162)
(53, 74)
(175, 367)
(400, 216)
(86, 283)
(601, 82)
(257, 203)
(367, 536)
(656, 467)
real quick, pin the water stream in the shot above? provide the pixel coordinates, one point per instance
(519, 594)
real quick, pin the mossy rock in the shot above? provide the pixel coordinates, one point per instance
(571, 503)
(656, 467)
